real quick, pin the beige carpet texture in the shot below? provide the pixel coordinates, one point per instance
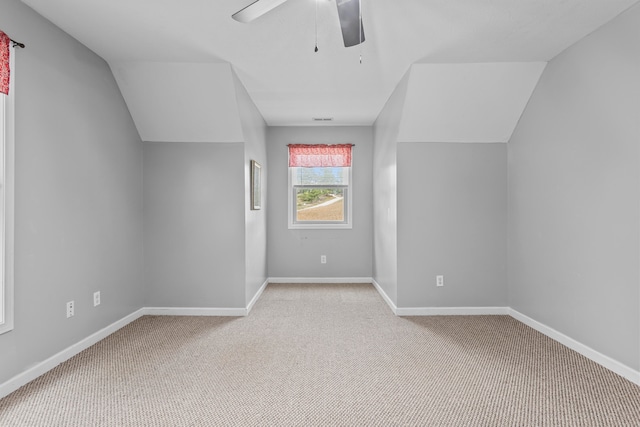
(325, 355)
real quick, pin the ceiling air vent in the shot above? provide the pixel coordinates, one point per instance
(322, 119)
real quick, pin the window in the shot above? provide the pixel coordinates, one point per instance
(320, 186)
(6, 210)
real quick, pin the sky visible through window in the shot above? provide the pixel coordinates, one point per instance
(320, 176)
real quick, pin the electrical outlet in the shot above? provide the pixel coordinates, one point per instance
(96, 299)
(70, 309)
(323, 259)
(439, 280)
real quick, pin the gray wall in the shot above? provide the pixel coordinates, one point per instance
(385, 222)
(204, 247)
(255, 148)
(574, 194)
(296, 253)
(452, 221)
(573, 204)
(194, 225)
(78, 209)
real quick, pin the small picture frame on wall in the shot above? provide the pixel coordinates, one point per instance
(256, 186)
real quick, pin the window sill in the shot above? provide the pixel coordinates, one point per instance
(317, 226)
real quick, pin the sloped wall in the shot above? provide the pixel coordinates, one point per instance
(181, 102)
(440, 182)
(204, 247)
(574, 194)
(466, 102)
(78, 205)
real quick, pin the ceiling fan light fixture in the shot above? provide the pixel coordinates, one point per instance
(256, 10)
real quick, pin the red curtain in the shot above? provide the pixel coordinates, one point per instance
(4, 63)
(318, 155)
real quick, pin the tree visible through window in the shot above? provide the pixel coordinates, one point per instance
(319, 183)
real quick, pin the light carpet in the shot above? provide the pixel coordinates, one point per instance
(330, 355)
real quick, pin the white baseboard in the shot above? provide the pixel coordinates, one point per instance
(45, 366)
(256, 297)
(41, 368)
(609, 363)
(605, 361)
(320, 280)
(195, 311)
(438, 311)
(452, 311)
(385, 297)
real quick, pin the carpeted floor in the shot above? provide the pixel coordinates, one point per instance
(331, 355)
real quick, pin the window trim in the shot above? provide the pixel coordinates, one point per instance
(318, 225)
(7, 168)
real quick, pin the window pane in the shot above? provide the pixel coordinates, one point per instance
(320, 176)
(320, 204)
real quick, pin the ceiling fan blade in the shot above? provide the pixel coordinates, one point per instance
(256, 10)
(350, 22)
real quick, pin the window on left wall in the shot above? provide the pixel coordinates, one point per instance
(6, 209)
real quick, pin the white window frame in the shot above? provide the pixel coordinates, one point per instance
(319, 225)
(7, 204)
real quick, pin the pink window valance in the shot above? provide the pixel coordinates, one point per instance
(4, 63)
(320, 155)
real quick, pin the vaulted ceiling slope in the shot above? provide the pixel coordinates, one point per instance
(274, 55)
(199, 106)
(466, 102)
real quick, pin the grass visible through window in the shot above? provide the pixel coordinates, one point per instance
(320, 204)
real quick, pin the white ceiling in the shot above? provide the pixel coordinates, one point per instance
(274, 56)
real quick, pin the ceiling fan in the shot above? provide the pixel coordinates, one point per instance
(348, 12)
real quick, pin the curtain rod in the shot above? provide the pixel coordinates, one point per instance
(353, 145)
(17, 44)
